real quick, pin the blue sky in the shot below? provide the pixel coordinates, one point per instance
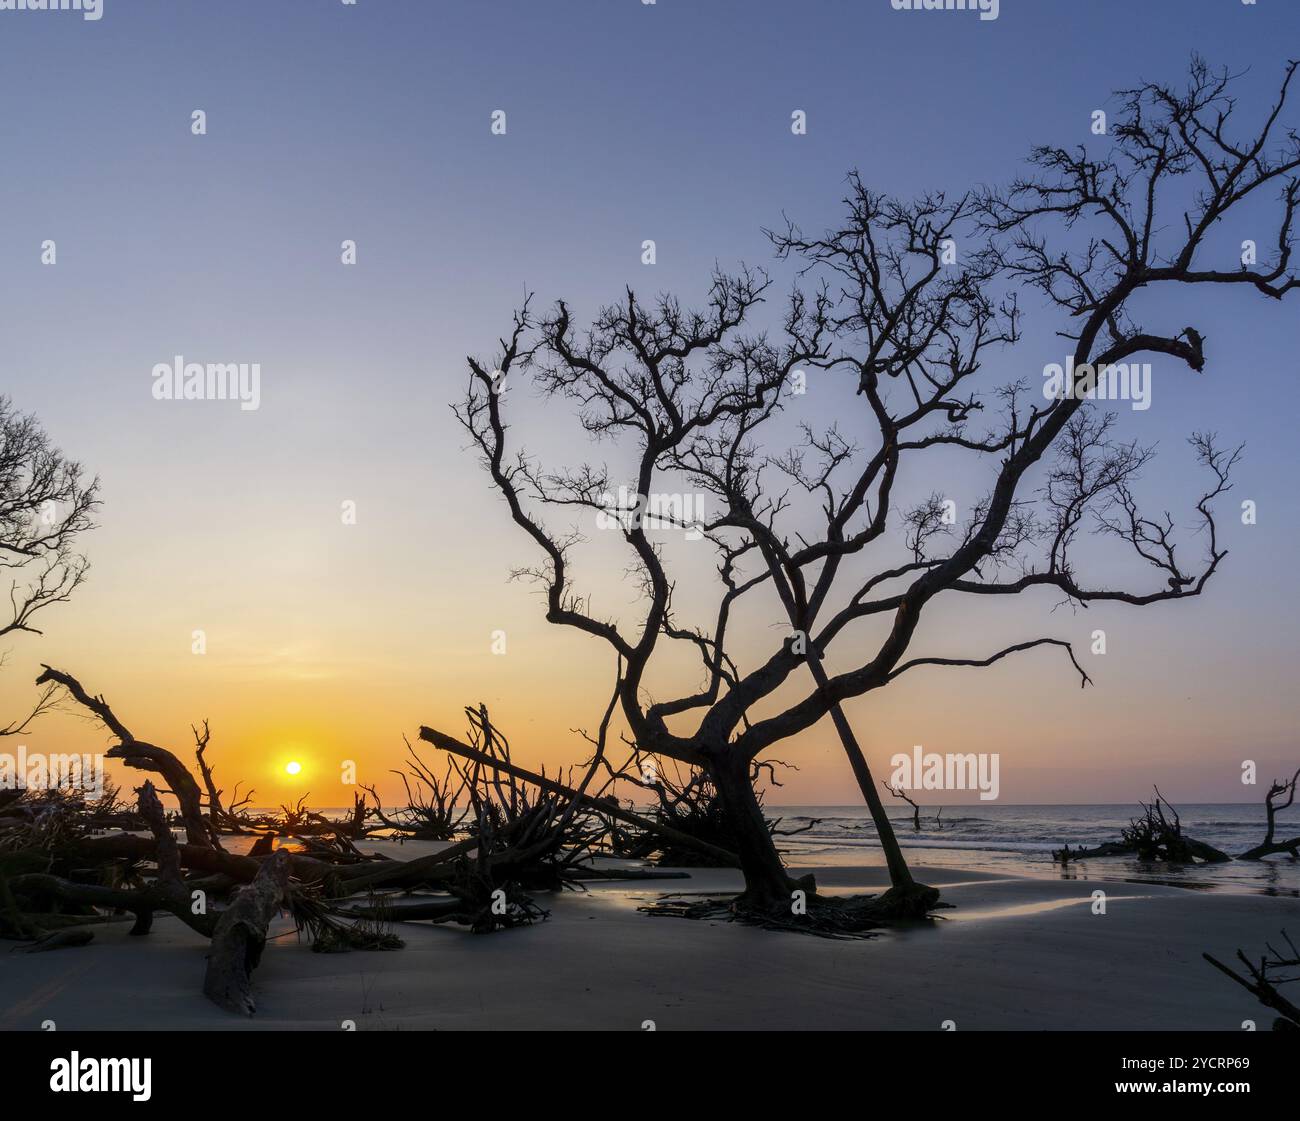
(626, 121)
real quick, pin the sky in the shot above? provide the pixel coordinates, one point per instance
(370, 122)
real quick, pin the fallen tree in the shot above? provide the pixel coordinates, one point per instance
(1154, 837)
(1151, 836)
(55, 874)
(606, 807)
(237, 933)
(240, 936)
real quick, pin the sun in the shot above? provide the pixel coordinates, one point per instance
(293, 768)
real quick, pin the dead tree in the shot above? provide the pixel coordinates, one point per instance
(916, 810)
(37, 818)
(46, 503)
(1154, 837)
(1264, 979)
(292, 818)
(525, 831)
(145, 757)
(354, 827)
(221, 818)
(1150, 836)
(605, 807)
(687, 396)
(686, 801)
(1269, 846)
(433, 810)
(237, 932)
(240, 936)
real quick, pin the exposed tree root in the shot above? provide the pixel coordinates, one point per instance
(1153, 837)
(824, 916)
(907, 901)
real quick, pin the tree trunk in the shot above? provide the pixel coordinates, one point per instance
(240, 937)
(899, 874)
(767, 885)
(144, 757)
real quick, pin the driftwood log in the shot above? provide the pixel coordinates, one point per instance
(514, 836)
(1109, 848)
(238, 932)
(240, 936)
(165, 893)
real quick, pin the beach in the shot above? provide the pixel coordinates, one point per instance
(1012, 952)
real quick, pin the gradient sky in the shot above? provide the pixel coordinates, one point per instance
(626, 122)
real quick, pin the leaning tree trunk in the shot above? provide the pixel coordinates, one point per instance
(899, 874)
(767, 885)
(906, 897)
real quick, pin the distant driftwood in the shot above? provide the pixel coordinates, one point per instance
(1154, 837)
(1151, 836)
(1109, 848)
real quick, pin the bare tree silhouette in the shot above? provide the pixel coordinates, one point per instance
(1272, 807)
(45, 503)
(903, 796)
(689, 393)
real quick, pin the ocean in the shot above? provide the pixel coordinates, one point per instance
(1019, 840)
